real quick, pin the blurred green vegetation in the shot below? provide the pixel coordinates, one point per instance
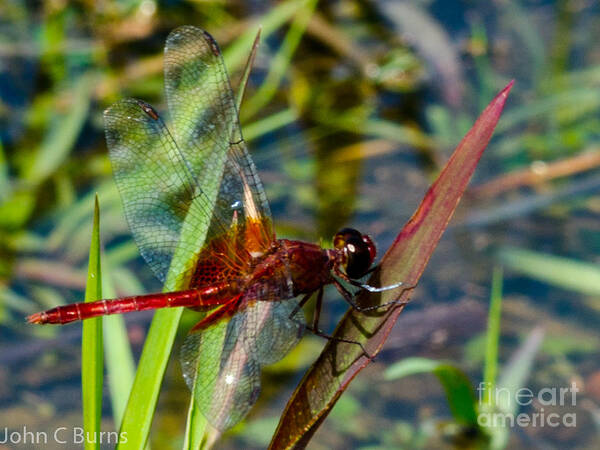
(350, 113)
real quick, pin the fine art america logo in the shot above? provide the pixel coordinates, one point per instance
(544, 400)
(62, 435)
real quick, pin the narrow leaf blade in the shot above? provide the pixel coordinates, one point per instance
(281, 60)
(493, 336)
(340, 362)
(120, 365)
(246, 75)
(577, 276)
(91, 344)
(513, 377)
(139, 412)
(456, 384)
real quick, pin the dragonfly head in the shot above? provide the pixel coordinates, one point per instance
(357, 251)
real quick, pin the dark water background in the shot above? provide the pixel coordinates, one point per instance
(374, 100)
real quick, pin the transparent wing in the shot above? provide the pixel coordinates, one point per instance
(225, 387)
(156, 186)
(222, 364)
(201, 183)
(273, 333)
(204, 178)
(206, 127)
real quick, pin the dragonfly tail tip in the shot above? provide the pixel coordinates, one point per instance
(37, 318)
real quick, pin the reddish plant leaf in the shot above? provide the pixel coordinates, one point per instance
(406, 259)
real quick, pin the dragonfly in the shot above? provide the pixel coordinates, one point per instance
(196, 207)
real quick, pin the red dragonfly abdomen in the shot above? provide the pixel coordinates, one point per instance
(205, 297)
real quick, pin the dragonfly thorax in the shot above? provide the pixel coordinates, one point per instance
(309, 265)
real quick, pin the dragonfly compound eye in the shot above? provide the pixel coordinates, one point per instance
(342, 236)
(359, 251)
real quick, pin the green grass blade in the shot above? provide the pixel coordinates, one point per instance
(236, 53)
(513, 377)
(456, 384)
(409, 366)
(196, 427)
(91, 345)
(578, 101)
(246, 75)
(16, 208)
(139, 412)
(209, 361)
(517, 370)
(493, 336)
(69, 220)
(4, 179)
(269, 124)
(562, 272)
(380, 128)
(281, 60)
(64, 131)
(120, 366)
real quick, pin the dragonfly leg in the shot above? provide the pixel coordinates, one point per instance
(315, 323)
(372, 269)
(329, 337)
(300, 304)
(368, 287)
(347, 295)
(318, 306)
(227, 310)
